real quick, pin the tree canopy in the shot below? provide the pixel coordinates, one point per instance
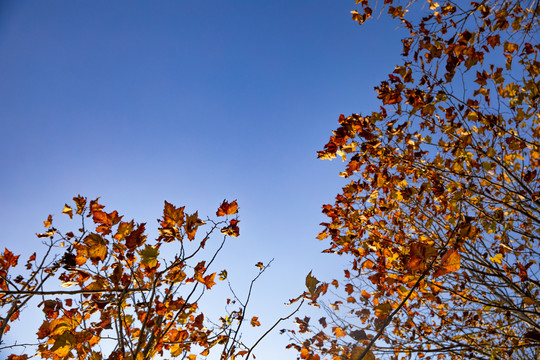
(441, 216)
(108, 292)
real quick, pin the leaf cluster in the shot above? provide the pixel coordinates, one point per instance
(442, 212)
(109, 292)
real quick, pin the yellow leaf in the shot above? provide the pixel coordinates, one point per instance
(68, 210)
(497, 258)
(63, 344)
(473, 116)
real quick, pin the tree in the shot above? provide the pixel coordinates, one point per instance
(122, 297)
(441, 218)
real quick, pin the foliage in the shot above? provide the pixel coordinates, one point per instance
(442, 214)
(122, 298)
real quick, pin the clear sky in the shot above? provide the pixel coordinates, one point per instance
(190, 102)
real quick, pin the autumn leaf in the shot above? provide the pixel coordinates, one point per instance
(227, 208)
(172, 215)
(419, 254)
(255, 321)
(48, 222)
(357, 351)
(450, 262)
(311, 283)
(136, 238)
(358, 335)
(95, 206)
(192, 224)
(149, 256)
(68, 210)
(63, 344)
(382, 310)
(339, 332)
(49, 233)
(223, 275)
(17, 357)
(497, 258)
(209, 280)
(232, 229)
(80, 202)
(124, 229)
(8, 259)
(176, 275)
(96, 247)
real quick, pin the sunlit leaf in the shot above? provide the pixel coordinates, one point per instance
(227, 208)
(450, 262)
(255, 321)
(68, 210)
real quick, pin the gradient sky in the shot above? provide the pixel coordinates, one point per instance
(190, 102)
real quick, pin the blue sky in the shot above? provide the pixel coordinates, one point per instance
(190, 102)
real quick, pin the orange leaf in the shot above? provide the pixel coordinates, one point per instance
(17, 357)
(191, 225)
(450, 262)
(227, 208)
(339, 332)
(209, 280)
(255, 321)
(8, 259)
(172, 215)
(48, 222)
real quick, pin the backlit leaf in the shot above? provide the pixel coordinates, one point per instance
(311, 283)
(227, 208)
(68, 210)
(149, 256)
(450, 262)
